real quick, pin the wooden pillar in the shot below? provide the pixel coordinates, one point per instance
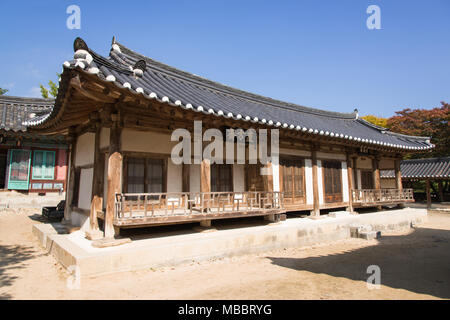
(70, 188)
(428, 194)
(398, 176)
(355, 172)
(316, 208)
(376, 175)
(205, 183)
(97, 188)
(441, 191)
(115, 162)
(350, 183)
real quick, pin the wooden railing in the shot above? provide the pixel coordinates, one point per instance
(382, 196)
(147, 205)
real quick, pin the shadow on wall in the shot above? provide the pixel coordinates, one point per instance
(418, 262)
(12, 257)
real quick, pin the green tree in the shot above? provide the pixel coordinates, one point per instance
(3, 91)
(52, 91)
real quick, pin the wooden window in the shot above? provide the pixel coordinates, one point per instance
(332, 181)
(292, 179)
(366, 179)
(155, 178)
(19, 169)
(43, 165)
(221, 178)
(145, 175)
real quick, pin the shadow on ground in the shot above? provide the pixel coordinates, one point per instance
(12, 257)
(418, 262)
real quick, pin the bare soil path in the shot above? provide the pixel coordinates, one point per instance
(414, 265)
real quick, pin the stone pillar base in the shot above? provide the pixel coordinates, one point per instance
(94, 234)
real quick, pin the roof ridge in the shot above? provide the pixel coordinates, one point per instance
(427, 159)
(234, 91)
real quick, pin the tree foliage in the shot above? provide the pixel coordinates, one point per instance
(430, 123)
(52, 91)
(378, 121)
(3, 91)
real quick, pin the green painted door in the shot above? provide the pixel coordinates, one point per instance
(19, 169)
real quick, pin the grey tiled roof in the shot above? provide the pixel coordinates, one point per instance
(421, 168)
(15, 112)
(155, 80)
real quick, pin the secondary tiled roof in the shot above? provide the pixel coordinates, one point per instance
(421, 168)
(16, 111)
(155, 80)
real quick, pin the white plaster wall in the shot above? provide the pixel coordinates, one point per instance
(174, 177)
(333, 156)
(364, 163)
(320, 182)
(295, 152)
(85, 149)
(388, 183)
(194, 177)
(238, 177)
(104, 137)
(345, 195)
(85, 192)
(309, 182)
(141, 141)
(80, 220)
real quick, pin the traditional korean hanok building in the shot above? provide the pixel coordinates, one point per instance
(120, 111)
(30, 162)
(428, 170)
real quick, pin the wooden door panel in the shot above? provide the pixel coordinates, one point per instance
(332, 181)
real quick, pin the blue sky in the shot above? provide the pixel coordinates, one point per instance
(314, 53)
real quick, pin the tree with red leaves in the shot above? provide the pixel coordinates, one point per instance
(432, 123)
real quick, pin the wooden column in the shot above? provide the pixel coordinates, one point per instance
(97, 188)
(115, 162)
(428, 194)
(441, 191)
(398, 176)
(71, 179)
(350, 182)
(316, 211)
(205, 183)
(376, 173)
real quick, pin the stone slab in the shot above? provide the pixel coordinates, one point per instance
(158, 251)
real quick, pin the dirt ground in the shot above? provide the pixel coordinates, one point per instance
(414, 265)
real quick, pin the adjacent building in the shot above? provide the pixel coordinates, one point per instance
(30, 162)
(119, 113)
